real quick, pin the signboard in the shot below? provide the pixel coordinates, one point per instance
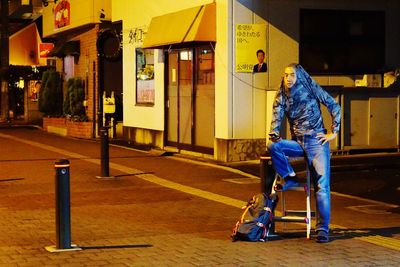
(145, 92)
(44, 49)
(34, 88)
(250, 38)
(62, 14)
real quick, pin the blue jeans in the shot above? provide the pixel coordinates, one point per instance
(317, 157)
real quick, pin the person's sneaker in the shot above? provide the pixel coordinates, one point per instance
(322, 237)
(278, 187)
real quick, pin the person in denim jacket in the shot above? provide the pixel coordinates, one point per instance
(299, 98)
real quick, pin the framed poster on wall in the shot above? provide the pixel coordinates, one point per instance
(250, 45)
(34, 88)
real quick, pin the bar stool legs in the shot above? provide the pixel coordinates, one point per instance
(299, 216)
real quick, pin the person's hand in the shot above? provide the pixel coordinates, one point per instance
(323, 138)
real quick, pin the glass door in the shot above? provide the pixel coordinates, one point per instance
(190, 107)
(185, 102)
(179, 99)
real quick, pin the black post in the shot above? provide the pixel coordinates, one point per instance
(4, 60)
(94, 134)
(267, 174)
(63, 218)
(100, 69)
(104, 151)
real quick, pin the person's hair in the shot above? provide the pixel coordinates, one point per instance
(260, 51)
(292, 65)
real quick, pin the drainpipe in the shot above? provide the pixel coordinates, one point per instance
(94, 133)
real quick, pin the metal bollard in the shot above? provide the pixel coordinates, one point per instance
(104, 151)
(267, 174)
(63, 219)
(63, 215)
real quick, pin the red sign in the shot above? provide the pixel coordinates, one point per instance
(45, 48)
(62, 14)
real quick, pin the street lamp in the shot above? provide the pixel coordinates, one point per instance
(46, 2)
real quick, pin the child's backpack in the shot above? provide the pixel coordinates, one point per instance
(256, 220)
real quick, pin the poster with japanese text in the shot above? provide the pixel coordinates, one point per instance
(250, 39)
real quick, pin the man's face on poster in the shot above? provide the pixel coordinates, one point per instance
(260, 57)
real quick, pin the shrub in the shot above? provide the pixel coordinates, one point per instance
(50, 95)
(74, 98)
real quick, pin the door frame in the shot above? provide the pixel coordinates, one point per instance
(180, 146)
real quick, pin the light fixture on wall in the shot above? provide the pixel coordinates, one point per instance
(46, 2)
(21, 83)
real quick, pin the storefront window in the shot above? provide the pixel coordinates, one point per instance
(205, 66)
(145, 76)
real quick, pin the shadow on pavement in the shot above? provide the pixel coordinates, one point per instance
(337, 234)
(118, 246)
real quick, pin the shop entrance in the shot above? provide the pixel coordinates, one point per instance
(24, 85)
(190, 97)
(16, 100)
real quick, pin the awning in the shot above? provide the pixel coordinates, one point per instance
(195, 24)
(71, 48)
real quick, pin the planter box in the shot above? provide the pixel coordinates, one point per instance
(66, 127)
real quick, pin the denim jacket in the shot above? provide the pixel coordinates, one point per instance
(301, 105)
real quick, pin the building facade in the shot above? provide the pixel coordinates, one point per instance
(75, 28)
(188, 87)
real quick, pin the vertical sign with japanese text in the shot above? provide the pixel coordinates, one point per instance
(249, 39)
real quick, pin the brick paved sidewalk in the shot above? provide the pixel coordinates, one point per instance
(180, 218)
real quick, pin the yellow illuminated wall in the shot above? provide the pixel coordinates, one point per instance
(82, 12)
(136, 15)
(243, 101)
(24, 47)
